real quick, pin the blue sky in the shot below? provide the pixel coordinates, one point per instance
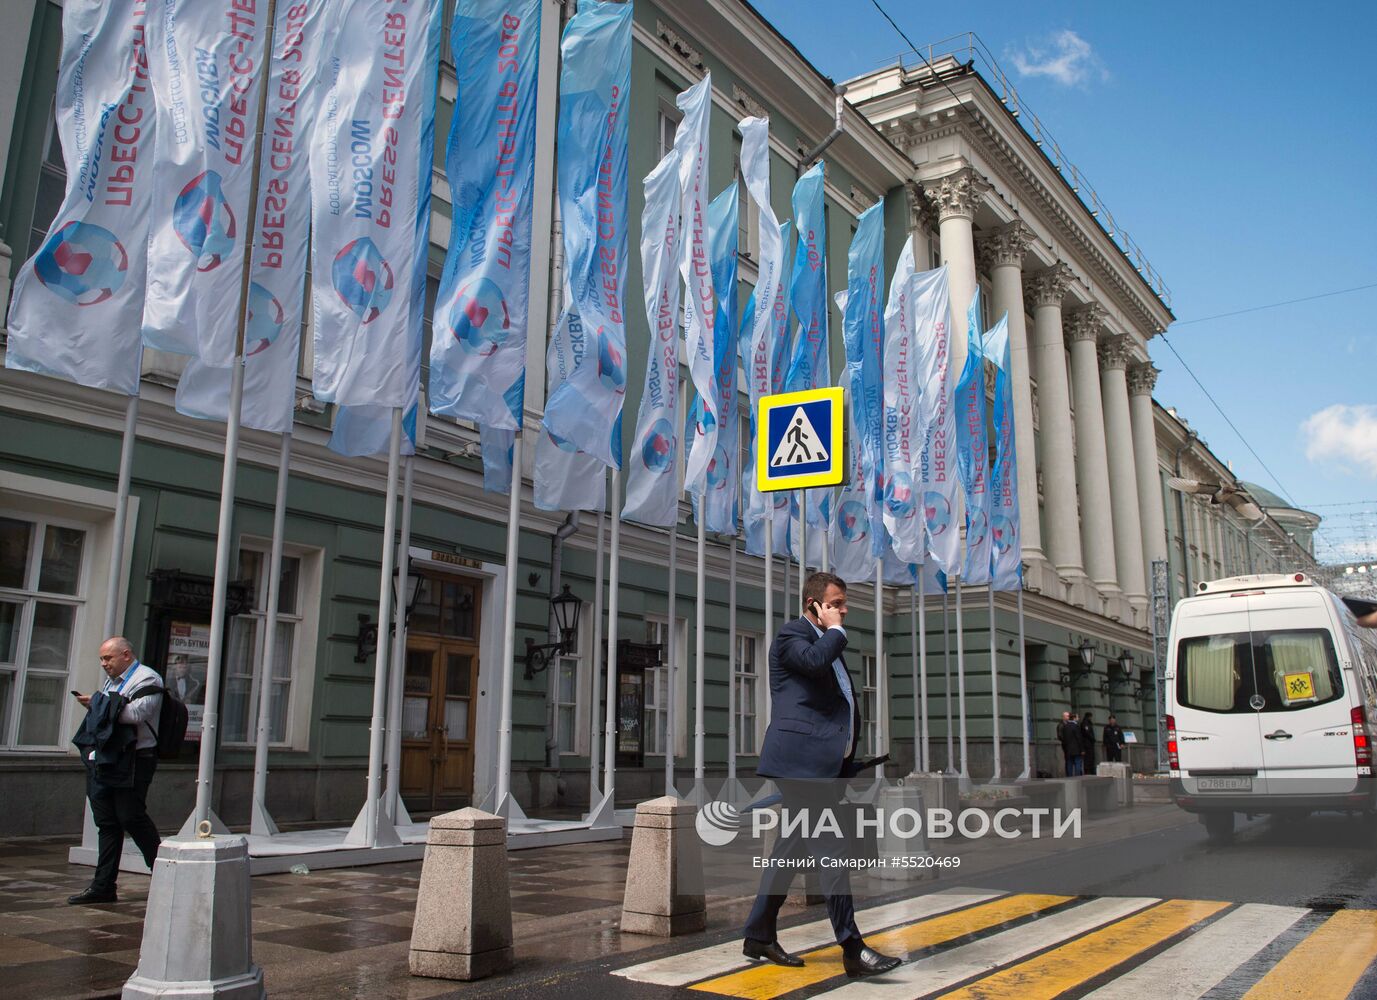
(1236, 143)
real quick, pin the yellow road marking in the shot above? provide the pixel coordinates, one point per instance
(763, 982)
(1056, 971)
(1328, 963)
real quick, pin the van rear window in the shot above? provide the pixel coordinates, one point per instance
(1289, 668)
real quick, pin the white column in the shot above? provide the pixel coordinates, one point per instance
(1141, 379)
(956, 198)
(1046, 289)
(1123, 485)
(1003, 255)
(1092, 471)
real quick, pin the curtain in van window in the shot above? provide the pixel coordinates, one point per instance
(1208, 665)
(1301, 654)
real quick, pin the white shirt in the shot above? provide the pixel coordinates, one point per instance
(144, 712)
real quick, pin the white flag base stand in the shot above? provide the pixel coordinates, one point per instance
(698, 795)
(403, 817)
(603, 816)
(217, 828)
(1023, 778)
(387, 835)
(510, 810)
(261, 824)
(672, 792)
(735, 793)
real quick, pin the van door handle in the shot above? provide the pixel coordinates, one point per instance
(1280, 734)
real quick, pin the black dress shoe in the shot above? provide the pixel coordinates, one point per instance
(868, 962)
(91, 895)
(771, 952)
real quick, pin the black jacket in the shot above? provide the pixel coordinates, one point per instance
(106, 744)
(808, 732)
(1113, 737)
(1072, 742)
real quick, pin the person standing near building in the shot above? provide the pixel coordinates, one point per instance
(809, 751)
(1061, 738)
(1088, 743)
(1113, 741)
(118, 806)
(1073, 746)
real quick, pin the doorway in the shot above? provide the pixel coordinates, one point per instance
(439, 705)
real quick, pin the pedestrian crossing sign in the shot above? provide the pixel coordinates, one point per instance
(799, 440)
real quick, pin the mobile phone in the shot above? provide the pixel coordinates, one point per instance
(75, 694)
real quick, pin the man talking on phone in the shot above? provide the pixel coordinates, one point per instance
(809, 751)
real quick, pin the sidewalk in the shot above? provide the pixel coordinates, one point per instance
(566, 904)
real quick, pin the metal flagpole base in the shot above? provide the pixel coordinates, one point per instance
(603, 816)
(386, 833)
(403, 817)
(261, 824)
(735, 793)
(197, 932)
(488, 805)
(510, 810)
(217, 828)
(1023, 778)
(698, 795)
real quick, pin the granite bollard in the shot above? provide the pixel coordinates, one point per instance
(664, 876)
(463, 923)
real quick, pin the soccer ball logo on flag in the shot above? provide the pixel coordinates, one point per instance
(899, 494)
(1003, 530)
(266, 317)
(363, 279)
(937, 512)
(203, 221)
(611, 371)
(658, 450)
(480, 320)
(852, 521)
(717, 469)
(976, 530)
(82, 263)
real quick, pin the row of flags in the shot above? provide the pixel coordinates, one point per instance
(157, 113)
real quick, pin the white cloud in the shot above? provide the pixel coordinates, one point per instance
(1344, 435)
(1066, 57)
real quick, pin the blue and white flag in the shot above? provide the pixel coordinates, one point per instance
(497, 448)
(204, 61)
(478, 338)
(691, 144)
(973, 451)
(272, 340)
(367, 430)
(78, 303)
(564, 477)
(720, 494)
(1006, 542)
(932, 330)
(853, 555)
(371, 164)
(652, 480)
(863, 336)
(764, 330)
(594, 103)
(903, 429)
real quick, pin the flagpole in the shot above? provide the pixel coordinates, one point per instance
(392, 796)
(946, 659)
(788, 577)
(827, 533)
(372, 823)
(506, 806)
(700, 656)
(920, 684)
(210, 718)
(802, 539)
(881, 670)
(672, 644)
(613, 583)
(594, 743)
(965, 773)
(1023, 688)
(261, 820)
(116, 573)
(994, 687)
(729, 792)
(769, 593)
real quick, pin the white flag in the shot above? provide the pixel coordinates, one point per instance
(370, 211)
(691, 146)
(941, 485)
(904, 433)
(78, 303)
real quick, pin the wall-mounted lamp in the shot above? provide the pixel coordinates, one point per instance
(366, 642)
(1071, 675)
(566, 609)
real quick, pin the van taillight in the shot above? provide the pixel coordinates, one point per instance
(1362, 746)
(1173, 760)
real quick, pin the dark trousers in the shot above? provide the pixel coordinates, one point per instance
(121, 811)
(813, 796)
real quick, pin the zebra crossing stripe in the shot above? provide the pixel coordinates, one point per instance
(689, 967)
(1054, 972)
(947, 968)
(764, 982)
(1328, 963)
(1189, 970)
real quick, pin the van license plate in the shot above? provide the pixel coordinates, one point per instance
(1230, 784)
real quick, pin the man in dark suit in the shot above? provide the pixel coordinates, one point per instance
(809, 752)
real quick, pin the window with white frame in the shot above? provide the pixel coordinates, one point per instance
(748, 218)
(750, 692)
(42, 597)
(657, 632)
(247, 649)
(869, 706)
(571, 696)
(667, 126)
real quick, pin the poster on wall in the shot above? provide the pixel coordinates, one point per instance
(188, 653)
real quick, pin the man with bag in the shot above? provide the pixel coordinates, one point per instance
(119, 745)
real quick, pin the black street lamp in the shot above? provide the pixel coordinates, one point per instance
(566, 609)
(1070, 676)
(366, 641)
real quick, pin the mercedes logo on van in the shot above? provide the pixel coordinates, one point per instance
(1257, 703)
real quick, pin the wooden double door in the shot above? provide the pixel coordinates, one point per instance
(439, 705)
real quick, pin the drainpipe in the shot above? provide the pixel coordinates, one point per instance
(1181, 512)
(570, 525)
(837, 129)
